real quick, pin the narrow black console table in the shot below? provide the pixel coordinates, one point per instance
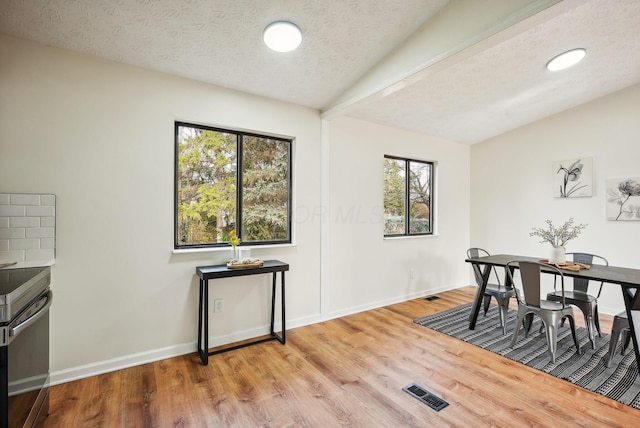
(222, 271)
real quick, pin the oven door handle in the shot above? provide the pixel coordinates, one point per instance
(14, 331)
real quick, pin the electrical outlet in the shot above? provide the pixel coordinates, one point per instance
(218, 305)
(412, 274)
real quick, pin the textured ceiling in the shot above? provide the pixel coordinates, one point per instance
(220, 41)
(506, 85)
(494, 85)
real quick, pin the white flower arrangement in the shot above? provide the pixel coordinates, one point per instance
(558, 236)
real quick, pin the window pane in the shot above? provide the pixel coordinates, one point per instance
(394, 196)
(265, 189)
(419, 197)
(206, 185)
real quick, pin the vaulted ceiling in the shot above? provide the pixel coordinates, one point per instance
(459, 69)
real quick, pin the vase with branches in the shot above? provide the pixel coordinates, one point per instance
(558, 236)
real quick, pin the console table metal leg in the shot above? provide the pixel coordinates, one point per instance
(284, 328)
(203, 322)
(282, 338)
(200, 321)
(273, 303)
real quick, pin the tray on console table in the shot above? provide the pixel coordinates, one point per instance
(244, 265)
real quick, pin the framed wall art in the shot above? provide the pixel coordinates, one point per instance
(623, 199)
(573, 178)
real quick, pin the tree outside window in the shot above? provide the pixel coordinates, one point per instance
(210, 203)
(408, 193)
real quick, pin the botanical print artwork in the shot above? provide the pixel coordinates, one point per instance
(623, 199)
(573, 178)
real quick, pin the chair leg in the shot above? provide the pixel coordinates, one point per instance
(572, 324)
(626, 334)
(487, 302)
(551, 320)
(551, 330)
(504, 309)
(589, 312)
(588, 321)
(516, 330)
(527, 323)
(596, 320)
(613, 344)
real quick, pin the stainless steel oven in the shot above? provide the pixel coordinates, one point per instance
(25, 298)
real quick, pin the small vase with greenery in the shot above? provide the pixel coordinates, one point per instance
(558, 237)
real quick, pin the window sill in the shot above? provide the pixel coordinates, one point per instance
(393, 238)
(228, 248)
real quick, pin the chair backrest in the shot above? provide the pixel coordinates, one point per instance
(474, 252)
(582, 284)
(530, 280)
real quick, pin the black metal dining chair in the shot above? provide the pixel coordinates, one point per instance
(530, 303)
(580, 297)
(620, 329)
(498, 291)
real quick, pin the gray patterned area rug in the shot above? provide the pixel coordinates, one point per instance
(619, 382)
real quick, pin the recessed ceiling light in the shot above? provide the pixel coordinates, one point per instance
(566, 59)
(282, 36)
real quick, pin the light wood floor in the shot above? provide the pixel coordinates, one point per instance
(344, 372)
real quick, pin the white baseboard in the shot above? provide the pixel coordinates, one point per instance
(379, 304)
(94, 369)
(101, 367)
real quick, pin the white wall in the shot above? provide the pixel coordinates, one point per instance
(511, 189)
(362, 263)
(99, 135)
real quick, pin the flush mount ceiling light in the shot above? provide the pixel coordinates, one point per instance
(566, 59)
(282, 36)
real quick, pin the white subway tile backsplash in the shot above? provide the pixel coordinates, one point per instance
(27, 227)
(12, 256)
(39, 255)
(12, 233)
(38, 211)
(24, 244)
(47, 222)
(39, 232)
(19, 199)
(47, 244)
(24, 221)
(12, 210)
(48, 200)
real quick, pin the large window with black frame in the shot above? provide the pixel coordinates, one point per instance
(408, 196)
(227, 180)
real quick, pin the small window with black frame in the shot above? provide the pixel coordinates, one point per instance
(408, 197)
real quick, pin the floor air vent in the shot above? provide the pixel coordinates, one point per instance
(433, 401)
(431, 298)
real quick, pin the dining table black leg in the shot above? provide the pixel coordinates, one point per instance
(632, 305)
(477, 301)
